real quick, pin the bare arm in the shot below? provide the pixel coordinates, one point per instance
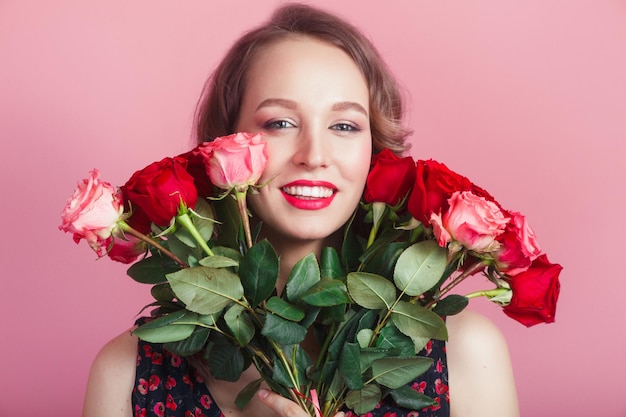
(480, 372)
(112, 378)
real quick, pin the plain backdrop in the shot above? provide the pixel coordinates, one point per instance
(527, 99)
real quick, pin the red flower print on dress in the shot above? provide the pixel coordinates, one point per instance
(439, 366)
(419, 387)
(153, 382)
(199, 413)
(170, 383)
(159, 409)
(436, 406)
(140, 412)
(389, 414)
(440, 387)
(413, 414)
(429, 347)
(157, 358)
(206, 401)
(142, 386)
(147, 351)
(176, 361)
(170, 403)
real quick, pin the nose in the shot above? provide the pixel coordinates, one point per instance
(312, 149)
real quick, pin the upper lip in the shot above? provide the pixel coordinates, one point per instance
(310, 188)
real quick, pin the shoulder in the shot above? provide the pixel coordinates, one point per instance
(479, 368)
(112, 378)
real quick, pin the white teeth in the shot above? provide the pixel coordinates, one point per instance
(309, 192)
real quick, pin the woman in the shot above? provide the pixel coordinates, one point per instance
(324, 101)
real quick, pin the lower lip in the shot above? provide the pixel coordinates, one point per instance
(309, 204)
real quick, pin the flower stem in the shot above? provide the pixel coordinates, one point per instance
(477, 267)
(128, 229)
(185, 221)
(240, 196)
(487, 293)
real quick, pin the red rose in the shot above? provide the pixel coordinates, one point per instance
(535, 293)
(127, 249)
(390, 178)
(197, 169)
(160, 188)
(434, 184)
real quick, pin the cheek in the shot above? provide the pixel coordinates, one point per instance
(358, 166)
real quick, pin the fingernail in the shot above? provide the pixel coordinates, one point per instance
(263, 393)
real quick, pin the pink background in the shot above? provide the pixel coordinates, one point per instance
(528, 99)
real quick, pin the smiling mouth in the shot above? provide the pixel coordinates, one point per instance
(308, 192)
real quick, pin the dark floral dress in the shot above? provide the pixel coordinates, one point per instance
(166, 385)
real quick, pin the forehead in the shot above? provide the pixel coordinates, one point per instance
(305, 65)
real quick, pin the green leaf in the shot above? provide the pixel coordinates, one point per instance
(391, 338)
(283, 331)
(326, 292)
(330, 265)
(259, 272)
(193, 344)
(407, 397)
(203, 218)
(226, 252)
(369, 355)
(225, 360)
(217, 261)
(345, 333)
(152, 270)
(162, 292)
(395, 372)
(451, 305)
(419, 267)
(364, 400)
(206, 290)
(170, 328)
(281, 375)
(303, 276)
(239, 323)
(226, 210)
(416, 321)
(247, 393)
(384, 260)
(364, 337)
(349, 366)
(371, 291)
(285, 310)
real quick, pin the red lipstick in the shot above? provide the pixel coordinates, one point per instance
(309, 195)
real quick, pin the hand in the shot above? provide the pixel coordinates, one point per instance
(283, 406)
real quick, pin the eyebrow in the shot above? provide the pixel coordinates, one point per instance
(292, 105)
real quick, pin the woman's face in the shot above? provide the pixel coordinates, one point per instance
(311, 103)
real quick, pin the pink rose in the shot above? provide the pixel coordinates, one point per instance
(518, 246)
(92, 212)
(471, 221)
(235, 160)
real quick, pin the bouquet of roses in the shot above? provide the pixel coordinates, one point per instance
(421, 229)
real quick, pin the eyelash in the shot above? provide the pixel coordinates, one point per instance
(277, 124)
(284, 124)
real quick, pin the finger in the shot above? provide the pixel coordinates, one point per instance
(281, 405)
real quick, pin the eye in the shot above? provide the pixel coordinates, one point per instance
(277, 124)
(345, 127)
